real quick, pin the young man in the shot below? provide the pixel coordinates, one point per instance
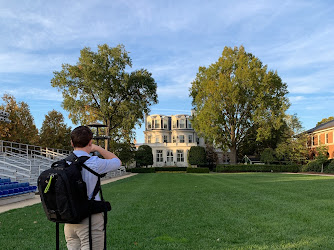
(77, 235)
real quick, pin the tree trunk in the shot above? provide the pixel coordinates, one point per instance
(233, 155)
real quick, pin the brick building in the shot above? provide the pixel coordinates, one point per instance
(321, 135)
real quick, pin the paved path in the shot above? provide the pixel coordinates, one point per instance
(37, 198)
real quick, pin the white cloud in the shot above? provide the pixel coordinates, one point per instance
(31, 93)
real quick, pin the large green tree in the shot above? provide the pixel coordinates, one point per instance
(98, 88)
(234, 94)
(292, 146)
(54, 132)
(22, 128)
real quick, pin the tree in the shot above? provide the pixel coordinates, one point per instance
(98, 88)
(211, 155)
(196, 155)
(144, 156)
(331, 118)
(235, 94)
(268, 156)
(22, 128)
(292, 146)
(125, 151)
(322, 156)
(54, 132)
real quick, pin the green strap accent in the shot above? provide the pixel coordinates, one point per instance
(48, 186)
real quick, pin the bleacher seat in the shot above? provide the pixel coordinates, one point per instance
(8, 188)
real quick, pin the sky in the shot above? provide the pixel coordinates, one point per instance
(171, 39)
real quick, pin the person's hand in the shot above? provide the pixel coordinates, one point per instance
(94, 148)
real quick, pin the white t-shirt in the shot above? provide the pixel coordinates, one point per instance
(100, 166)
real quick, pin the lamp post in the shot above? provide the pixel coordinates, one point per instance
(98, 137)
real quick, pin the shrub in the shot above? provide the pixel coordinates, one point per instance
(198, 170)
(257, 168)
(330, 167)
(144, 156)
(196, 155)
(171, 169)
(267, 156)
(312, 166)
(143, 170)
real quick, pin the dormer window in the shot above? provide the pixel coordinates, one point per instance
(189, 124)
(182, 123)
(157, 124)
(149, 124)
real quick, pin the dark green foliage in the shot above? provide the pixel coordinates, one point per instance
(211, 155)
(125, 151)
(142, 170)
(196, 155)
(144, 156)
(316, 166)
(312, 166)
(171, 169)
(330, 167)
(267, 156)
(198, 170)
(258, 168)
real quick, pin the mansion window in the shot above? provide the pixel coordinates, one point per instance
(182, 123)
(174, 140)
(157, 124)
(149, 138)
(189, 124)
(190, 138)
(181, 138)
(326, 138)
(159, 156)
(164, 138)
(149, 125)
(157, 139)
(169, 155)
(180, 156)
(164, 124)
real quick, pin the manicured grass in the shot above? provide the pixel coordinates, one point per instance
(199, 211)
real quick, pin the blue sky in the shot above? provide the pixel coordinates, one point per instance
(171, 39)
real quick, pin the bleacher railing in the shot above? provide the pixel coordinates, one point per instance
(20, 161)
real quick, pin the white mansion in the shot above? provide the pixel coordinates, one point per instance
(170, 138)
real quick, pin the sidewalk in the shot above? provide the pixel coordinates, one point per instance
(37, 198)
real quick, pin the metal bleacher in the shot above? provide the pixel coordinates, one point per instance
(24, 163)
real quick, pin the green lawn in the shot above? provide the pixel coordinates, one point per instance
(199, 211)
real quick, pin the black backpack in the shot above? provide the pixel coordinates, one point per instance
(64, 194)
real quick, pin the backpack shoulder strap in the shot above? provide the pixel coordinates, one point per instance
(81, 160)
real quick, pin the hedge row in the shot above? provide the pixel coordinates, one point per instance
(258, 168)
(171, 169)
(142, 170)
(198, 170)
